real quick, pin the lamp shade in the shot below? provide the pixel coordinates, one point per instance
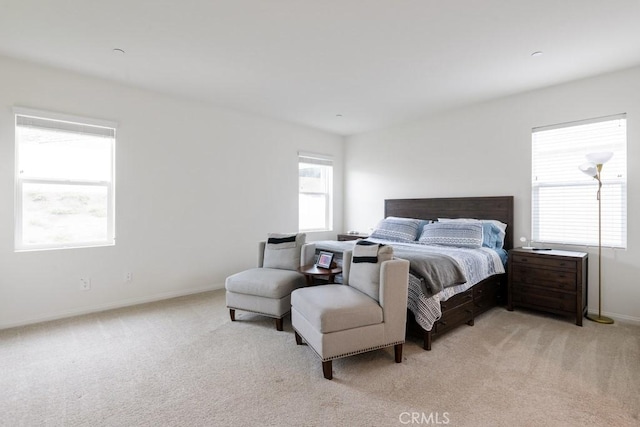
(600, 158)
(589, 168)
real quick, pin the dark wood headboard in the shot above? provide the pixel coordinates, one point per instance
(500, 208)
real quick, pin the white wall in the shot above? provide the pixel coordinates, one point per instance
(197, 188)
(485, 150)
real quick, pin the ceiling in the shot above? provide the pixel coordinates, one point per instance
(343, 66)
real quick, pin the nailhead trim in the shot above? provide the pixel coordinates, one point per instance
(326, 359)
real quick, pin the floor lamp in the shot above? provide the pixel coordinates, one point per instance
(593, 168)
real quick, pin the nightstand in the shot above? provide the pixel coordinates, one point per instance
(548, 280)
(347, 236)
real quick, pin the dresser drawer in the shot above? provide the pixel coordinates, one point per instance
(542, 261)
(457, 300)
(485, 296)
(556, 279)
(525, 295)
(454, 317)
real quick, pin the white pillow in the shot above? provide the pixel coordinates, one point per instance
(364, 273)
(282, 251)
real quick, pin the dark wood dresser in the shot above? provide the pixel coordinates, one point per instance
(548, 280)
(346, 236)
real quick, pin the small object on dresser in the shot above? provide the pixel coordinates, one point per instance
(524, 240)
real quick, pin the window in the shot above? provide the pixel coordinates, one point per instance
(564, 200)
(315, 180)
(64, 181)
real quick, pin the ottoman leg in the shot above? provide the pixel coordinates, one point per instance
(279, 324)
(232, 314)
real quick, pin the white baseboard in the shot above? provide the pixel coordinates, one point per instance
(110, 306)
(623, 318)
(175, 294)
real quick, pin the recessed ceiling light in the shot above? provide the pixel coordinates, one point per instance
(118, 50)
(536, 53)
(338, 115)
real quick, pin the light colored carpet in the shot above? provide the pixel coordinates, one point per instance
(182, 362)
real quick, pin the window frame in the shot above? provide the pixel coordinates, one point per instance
(614, 229)
(326, 161)
(20, 181)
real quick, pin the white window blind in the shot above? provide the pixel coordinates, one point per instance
(564, 199)
(315, 197)
(64, 181)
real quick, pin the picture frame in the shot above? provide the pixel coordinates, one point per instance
(324, 259)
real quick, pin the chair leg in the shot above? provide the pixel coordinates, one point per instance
(398, 351)
(232, 314)
(298, 338)
(327, 369)
(279, 324)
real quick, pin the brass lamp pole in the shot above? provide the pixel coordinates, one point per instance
(593, 168)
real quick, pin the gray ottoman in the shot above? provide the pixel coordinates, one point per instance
(265, 291)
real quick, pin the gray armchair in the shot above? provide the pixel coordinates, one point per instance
(266, 289)
(367, 312)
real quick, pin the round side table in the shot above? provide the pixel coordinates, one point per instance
(311, 271)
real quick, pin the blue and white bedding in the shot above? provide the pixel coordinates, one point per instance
(476, 264)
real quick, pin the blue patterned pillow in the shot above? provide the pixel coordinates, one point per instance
(397, 229)
(493, 236)
(493, 230)
(458, 234)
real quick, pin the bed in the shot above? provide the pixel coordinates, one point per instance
(432, 313)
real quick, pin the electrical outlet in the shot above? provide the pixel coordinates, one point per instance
(128, 276)
(85, 283)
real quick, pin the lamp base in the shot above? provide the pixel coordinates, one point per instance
(600, 319)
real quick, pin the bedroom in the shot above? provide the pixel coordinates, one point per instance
(165, 164)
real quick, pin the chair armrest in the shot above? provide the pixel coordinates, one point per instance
(394, 289)
(261, 246)
(308, 254)
(346, 266)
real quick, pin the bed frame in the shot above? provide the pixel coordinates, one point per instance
(466, 306)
